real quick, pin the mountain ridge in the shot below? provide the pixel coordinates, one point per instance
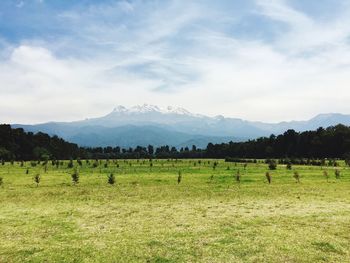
(149, 124)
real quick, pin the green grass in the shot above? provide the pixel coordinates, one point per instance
(148, 217)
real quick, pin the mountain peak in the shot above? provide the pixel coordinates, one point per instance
(146, 108)
(119, 108)
(177, 110)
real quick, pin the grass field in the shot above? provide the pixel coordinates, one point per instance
(148, 217)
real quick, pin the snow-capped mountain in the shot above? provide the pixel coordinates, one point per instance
(150, 124)
(147, 108)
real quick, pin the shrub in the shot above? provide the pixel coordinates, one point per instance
(179, 177)
(272, 164)
(238, 160)
(75, 177)
(1, 181)
(238, 177)
(27, 171)
(70, 164)
(111, 179)
(296, 176)
(289, 166)
(337, 173)
(37, 179)
(268, 177)
(347, 161)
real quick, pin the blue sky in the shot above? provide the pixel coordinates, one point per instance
(267, 60)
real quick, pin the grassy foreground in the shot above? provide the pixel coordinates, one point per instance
(148, 217)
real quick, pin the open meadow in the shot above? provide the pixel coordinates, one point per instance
(151, 214)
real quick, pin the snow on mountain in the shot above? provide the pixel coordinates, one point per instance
(149, 108)
(123, 123)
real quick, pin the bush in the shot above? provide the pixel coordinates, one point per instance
(1, 181)
(37, 179)
(268, 177)
(111, 179)
(70, 164)
(238, 177)
(296, 176)
(337, 174)
(179, 177)
(75, 177)
(238, 160)
(272, 164)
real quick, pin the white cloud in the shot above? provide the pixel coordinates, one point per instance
(175, 54)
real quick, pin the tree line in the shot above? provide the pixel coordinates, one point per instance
(332, 142)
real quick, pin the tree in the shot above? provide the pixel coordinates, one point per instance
(75, 177)
(4, 154)
(296, 176)
(37, 179)
(70, 163)
(272, 164)
(238, 177)
(111, 179)
(150, 150)
(179, 177)
(337, 173)
(268, 177)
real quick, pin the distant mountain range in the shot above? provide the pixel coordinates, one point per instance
(149, 124)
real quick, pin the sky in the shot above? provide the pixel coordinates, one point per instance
(265, 60)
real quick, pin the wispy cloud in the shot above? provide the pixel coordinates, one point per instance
(194, 54)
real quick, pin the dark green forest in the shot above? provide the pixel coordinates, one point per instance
(332, 142)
